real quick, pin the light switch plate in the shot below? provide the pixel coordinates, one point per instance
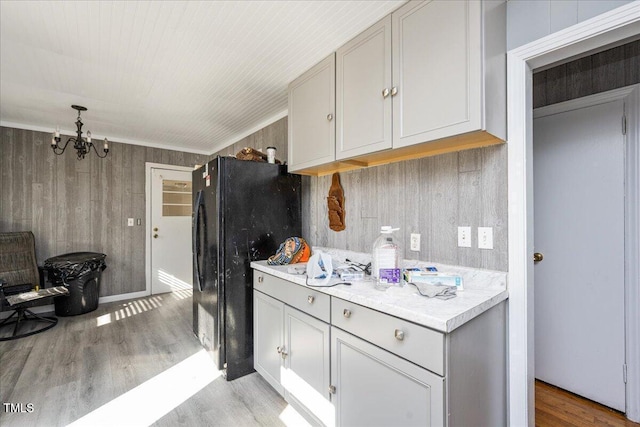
(485, 237)
(130, 222)
(464, 237)
(415, 242)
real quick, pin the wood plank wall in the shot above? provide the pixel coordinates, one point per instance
(274, 135)
(611, 69)
(431, 196)
(73, 205)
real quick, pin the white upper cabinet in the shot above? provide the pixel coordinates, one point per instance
(436, 70)
(311, 116)
(429, 78)
(363, 85)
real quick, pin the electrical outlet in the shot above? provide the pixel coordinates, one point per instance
(485, 237)
(464, 237)
(130, 222)
(415, 242)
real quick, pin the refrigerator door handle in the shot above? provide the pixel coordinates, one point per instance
(196, 237)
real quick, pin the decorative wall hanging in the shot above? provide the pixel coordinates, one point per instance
(335, 202)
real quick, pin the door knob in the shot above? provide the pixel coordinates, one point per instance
(155, 236)
(537, 257)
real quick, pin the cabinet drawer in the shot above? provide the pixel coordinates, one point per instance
(301, 297)
(415, 343)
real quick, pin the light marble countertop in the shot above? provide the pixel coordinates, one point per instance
(483, 289)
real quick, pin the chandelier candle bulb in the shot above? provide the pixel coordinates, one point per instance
(106, 145)
(88, 136)
(57, 131)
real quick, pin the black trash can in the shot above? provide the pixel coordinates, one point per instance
(80, 272)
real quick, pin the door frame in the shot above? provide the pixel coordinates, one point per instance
(608, 28)
(149, 167)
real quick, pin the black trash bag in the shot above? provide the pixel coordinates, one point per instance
(80, 272)
(68, 267)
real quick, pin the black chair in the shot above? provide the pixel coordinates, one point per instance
(21, 287)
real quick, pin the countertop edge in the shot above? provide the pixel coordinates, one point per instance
(444, 322)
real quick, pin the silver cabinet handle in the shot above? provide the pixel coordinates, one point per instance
(399, 334)
(329, 117)
(385, 92)
(394, 91)
(311, 299)
(260, 279)
(346, 313)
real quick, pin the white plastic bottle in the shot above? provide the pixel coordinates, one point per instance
(385, 262)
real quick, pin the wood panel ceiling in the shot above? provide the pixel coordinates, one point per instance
(189, 75)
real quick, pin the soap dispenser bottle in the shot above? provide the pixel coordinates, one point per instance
(385, 262)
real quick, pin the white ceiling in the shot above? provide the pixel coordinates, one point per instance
(189, 75)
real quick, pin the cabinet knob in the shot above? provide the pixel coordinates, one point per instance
(329, 117)
(260, 279)
(346, 313)
(311, 299)
(385, 92)
(394, 91)
(155, 228)
(283, 354)
(332, 389)
(155, 236)
(399, 334)
(537, 257)
(279, 349)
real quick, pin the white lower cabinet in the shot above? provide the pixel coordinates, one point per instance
(376, 388)
(344, 364)
(305, 376)
(268, 338)
(291, 347)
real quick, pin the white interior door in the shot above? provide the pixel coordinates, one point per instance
(170, 228)
(578, 166)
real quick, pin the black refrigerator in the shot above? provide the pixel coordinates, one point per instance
(242, 211)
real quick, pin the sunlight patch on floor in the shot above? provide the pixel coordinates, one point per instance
(177, 285)
(292, 418)
(182, 294)
(153, 399)
(129, 309)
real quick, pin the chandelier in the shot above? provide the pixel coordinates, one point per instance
(80, 144)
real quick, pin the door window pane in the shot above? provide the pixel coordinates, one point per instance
(176, 198)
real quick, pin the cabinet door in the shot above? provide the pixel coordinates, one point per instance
(375, 387)
(268, 336)
(306, 366)
(437, 70)
(363, 100)
(311, 116)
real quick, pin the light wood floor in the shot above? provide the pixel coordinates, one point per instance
(559, 408)
(92, 360)
(91, 365)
